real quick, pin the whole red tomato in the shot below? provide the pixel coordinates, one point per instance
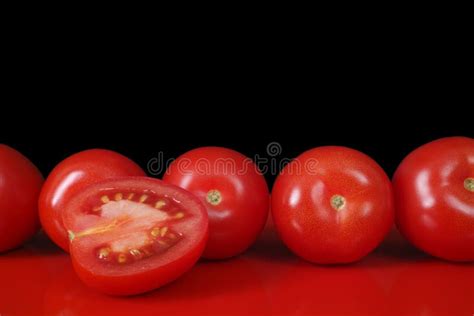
(20, 185)
(234, 192)
(434, 198)
(70, 177)
(332, 205)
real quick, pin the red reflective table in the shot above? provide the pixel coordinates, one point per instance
(38, 279)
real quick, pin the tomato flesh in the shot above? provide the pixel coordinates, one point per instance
(130, 230)
(123, 230)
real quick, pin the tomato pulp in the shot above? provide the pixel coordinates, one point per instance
(332, 205)
(20, 185)
(132, 235)
(434, 198)
(70, 177)
(234, 192)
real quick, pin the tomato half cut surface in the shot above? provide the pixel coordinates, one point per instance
(132, 235)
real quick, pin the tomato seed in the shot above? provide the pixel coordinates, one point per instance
(143, 198)
(179, 215)
(160, 204)
(135, 252)
(163, 231)
(105, 199)
(155, 232)
(130, 196)
(118, 196)
(122, 258)
(104, 253)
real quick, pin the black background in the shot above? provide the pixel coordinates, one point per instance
(385, 132)
(384, 100)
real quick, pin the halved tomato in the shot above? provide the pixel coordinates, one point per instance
(134, 234)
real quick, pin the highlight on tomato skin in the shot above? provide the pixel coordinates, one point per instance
(132, 235)
(434, 198)
(234, 192)
(70, 177)
(20, 185)
(332, 205)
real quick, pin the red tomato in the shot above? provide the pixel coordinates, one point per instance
(20, 184)
(434, 198)
(70, 177)
(332, 205)
(134, 234)
(234, 192)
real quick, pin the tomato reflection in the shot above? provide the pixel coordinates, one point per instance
(434, 288)
(24, 274)
(329, 291)
(211, 288)
(396, 279)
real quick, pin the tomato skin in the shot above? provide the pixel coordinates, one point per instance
(20, 185)
(433, 209)
(139, 283)
(70, 177)
(307, 222)
(152, 272)
(236, 222)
